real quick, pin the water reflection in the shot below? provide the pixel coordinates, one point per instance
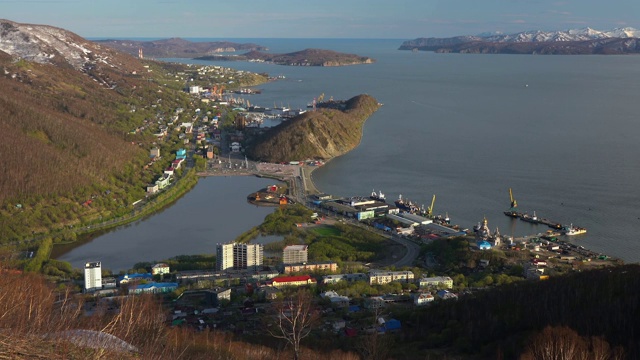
(215, 211)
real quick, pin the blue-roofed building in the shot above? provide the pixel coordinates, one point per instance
(153, 288)
(445, 295)
(181, 154)
(130, 278)
(484, 245)
(390, 325)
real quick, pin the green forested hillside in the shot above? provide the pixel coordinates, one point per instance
(65, 138)
(598, 303)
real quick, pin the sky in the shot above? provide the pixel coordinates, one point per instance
(393, 19)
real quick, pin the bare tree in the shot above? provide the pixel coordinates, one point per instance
(563, 343)
(373, 345)
(294, 318)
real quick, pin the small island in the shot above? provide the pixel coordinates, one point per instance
(332, 130)
(307, 57)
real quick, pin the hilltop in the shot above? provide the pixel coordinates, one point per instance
(177, 47)
(77, 122)
(570, 42)
(307, 57)
(330, 131)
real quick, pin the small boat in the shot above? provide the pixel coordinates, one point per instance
(573, 230)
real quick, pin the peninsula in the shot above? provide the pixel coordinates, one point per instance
(570, 42)
(332, 130)
(177, 47)
(307, 57)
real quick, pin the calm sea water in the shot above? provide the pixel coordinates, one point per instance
(562, 131)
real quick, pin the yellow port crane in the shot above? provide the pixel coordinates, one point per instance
(320, 98)
(430, 208)
(514, 203)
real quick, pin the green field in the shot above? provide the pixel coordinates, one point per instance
(325, 230)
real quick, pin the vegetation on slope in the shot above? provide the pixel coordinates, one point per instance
(40, 322)
(600, 302)
(177, 47)
(321, 134)
(307, 57)
(76, 129)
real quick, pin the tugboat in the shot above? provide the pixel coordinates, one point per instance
(531, 219)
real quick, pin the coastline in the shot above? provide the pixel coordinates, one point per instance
(313, 185)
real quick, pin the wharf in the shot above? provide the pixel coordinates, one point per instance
(533, 220)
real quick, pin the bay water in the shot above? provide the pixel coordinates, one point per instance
(561, 131)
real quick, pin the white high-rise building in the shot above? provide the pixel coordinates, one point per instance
(224, 256)
(247, 256)
(239, 256)
(295, 254)
(92, 276)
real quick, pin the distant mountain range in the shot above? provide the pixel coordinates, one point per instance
(569, 42)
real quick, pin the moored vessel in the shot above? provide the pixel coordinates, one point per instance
(573, 230)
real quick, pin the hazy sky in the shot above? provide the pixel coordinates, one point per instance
(401, 19)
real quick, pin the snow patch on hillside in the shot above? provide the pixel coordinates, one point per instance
(41, 43)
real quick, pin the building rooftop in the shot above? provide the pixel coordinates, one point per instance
(296, 247)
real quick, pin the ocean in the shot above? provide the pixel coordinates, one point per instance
(561, 131)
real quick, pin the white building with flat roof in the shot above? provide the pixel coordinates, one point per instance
(443, 281)
(295, 254)
(247, 256)
(224, 256)
(380, 277)
(239, 256)
(92, 276)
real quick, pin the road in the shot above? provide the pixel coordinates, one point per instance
(300, 186)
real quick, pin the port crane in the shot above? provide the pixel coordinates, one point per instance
(514, 203)
(430, 208)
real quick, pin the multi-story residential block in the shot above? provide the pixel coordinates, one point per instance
(295, 254)
(239, 256)
(93, 276)
(438, 281)
(384, 277)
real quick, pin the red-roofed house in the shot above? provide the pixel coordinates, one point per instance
(283, 281)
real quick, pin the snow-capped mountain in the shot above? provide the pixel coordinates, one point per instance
(576, 41)
(566, 35)
(48, 44)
